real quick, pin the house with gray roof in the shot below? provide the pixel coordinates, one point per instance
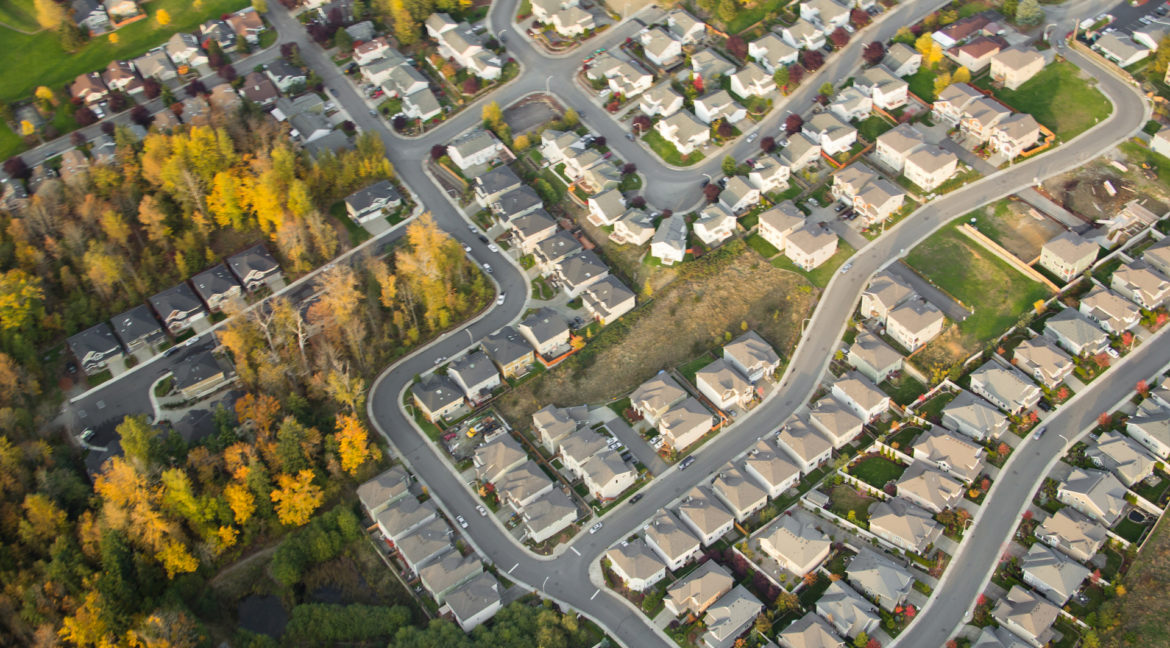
(510, 352)
(810, 631)
(548, 515)
(1076, 333)
(425, 543)
(667, 536)
(730, 617)
(475, 602)
(949, 453)
(1045, 362)
(547, 332)
(383, 490)
(523, 485)
(1005, 387)
(1140, 283)
(873, 358)
(437, 397)
(217, 287)
(554, 424)
(902, 60)
(476, 375)
(904, 525)
(554, 248)
(740, 494)
(880, 578)
(856, 392)
(608, 299)
(836, 421)
(636, 564)
(444, 576)
(1150, 425)
(800, 151)
(914, 323)
(1027, 615)
(1072, 533)
(846, 610)
(704, 515)
(138, 328)
(669, 243)
(1127, 459)
(806, 446)
(699, 590)
(495, 183)
(1052, 573)
(1095, 493)
(579, 271)
(255, 268)
(403, 516)
(685, 423)
(929, 488)
(725, 387)
(975, 417)
(1067, 255)
(772, 469)
(1158, 254)
(370, 202)
(752, 356)
(94, 346)
(532, 228)
(178, 308)
(497, 457)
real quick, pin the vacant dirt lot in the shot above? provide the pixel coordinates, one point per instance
(1138, 619)
(1018, 227)
(1083, 192)
(712, 297)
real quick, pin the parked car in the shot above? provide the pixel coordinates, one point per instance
(636, 498)
(686, 463)
(595, 528)
(482, 511)
(461, 521)
(752, 137)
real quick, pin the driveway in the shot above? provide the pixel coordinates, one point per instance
(951, 308)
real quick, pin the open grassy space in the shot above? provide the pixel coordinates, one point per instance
(904, 389)
(873, 126)
(922, 83)
(747, 16)
(19, 14)
(844, 499)
(820, 275)
(707, 305)
(876, 470)
(667, 151)
(41, 61)
(1058, 97)
(996, 292)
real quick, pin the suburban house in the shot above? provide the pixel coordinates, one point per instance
(949, 453)
(667, 536)
(772, 52)
(509, 351)
(121, 77)
(1012, 67)
(980, 118)
(184, 51)
(810, 245)
(683, 131)
(1040, 358)
(476, 375)
(904, 525)
(914, 323)
(685, 423)
(752, 81)
(1076, 333)
(546, 331)
(1160, 142)
(1139, 282)
(849, 181)
(565, 16)
(952, 103)
(847, 611)
(976, 54)
(445, 575)
(1068, 255)
(887, 91)
(459, 42)
(730, 617)
(685, 27)
(1004, 387)
(771, 468)
(704, 516)
(960, 30)
(1150, 35)
(371, 202)
(929, 488)
(769, 174)
(714, 225)
(1014, 135)
(608, 299)
(90, 15)
(1150, 425)
(880, 579)
(1027, 615)
(474, 148)
(660, 101)
(178, 308)
(580, 270)
(1120, 49)
(1127, 459)
(437, 397)
(873, 358)
(669, 243)
(624, 79)
(883, 294)
(475, 602)
(800, 151)
(719, 105)
(710, 66)
(827, 13)
(523, 485)
(517, 203)
(928, 167)
(810, 631)
(660, 47)
(739, 196)
(247, 25)
(653, 398)
(199, 375)
(1052, 574)
(284, 75)
(532, 228)
(1109, 310)
(606, 207)
(383, 490)
(796, 546)
(803, 35)
(1157, 255)
(255, 268)
(555, 424)
(496, 457)
(90, 88)
(491, 186)
(807, 447)
(219, 32)
(725, 387)
(138, 329)
(1095, 493)
(155, 64)
(902, 60)
(216, 287)
(893, 146)
(777, 224)
(861, 396)
(636, 564)
(259, 90)
(975, 417)
(833, 135)
(425, 544)
(751, 356)
(402, 516)
(548, 515)
(698, 590)
(739, 494)
(94, 346)
(1072, 533)
(851, 103)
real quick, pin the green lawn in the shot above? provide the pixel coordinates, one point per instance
(746, 17)
(41, 61)
(766, 249)
(1060, 99)
(689, 369)
(1129, 529)
(904, 389)
(876, 470)
(20, 14)
(872, 126)
(667, 151)
(996, 292)
(844, 498)
(922, 83)
(357, 233)
(820, 275)
(10, 143)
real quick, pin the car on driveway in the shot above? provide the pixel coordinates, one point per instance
(595, 528)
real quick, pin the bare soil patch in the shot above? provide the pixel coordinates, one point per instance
(1018, 227)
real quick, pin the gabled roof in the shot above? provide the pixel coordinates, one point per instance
(1075, 531)
(860, 390)
(98, 339)
(734, 488)
(1053, 569)
(506, 346)
(1102, 489)
(873, 351)
(545, 325)
(784, 217)
(473, 368)
(659, 392)
(721, 377)
(436, 392)
(580, 268)
(135, 324)
(793, 539)
(669, 534)
(974, 411)
(362, 199)
(635, 559)
(832, 414)
(704, 511)
(450, 571)
(214, 281)
(802, 441)
(254, 260)
(810, 631)
(430, 539)
(900, 518)
(1074, 326)
(177, 298)
(390, 485)
(548, 511)
(902, 139)
(731, 615)
(938, 445)
(879, 577)
(929, 485)
(771, 464)
(523, 482)
(404, 515)
(1027, 610)
(698, 588)
(845, 609)
(475, 596)
(495, 456)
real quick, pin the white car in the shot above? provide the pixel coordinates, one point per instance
(595, 528)
(751, 138)
(466, 248)
(439, 359)
(482, 511)
(500, 299)
(493, 247)
(461, 521)
(472, 228)
(487, 267)
(845, 268)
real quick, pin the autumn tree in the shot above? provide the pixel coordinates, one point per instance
(50, 14)
(793, 123)
(961, 75)
(353, 445)
(163, 17)
(839, 37)
(296, 497)
(874, 53)
(859, 18)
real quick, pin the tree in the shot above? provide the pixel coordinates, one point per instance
(729, 166)
(296, 498)
(227, 73)
(342, 40)
(1143, 388)
(737, 47)
(793, 124)
(827, 89)
(860, 640)
(812, 60)
(768, 144)
(163, 17)
(874, 53)
(859, 18)
(1029, 12)
(941, 82)
(787, 602)
(405, 25)
(353, 445)
(711, 192)
(839, 37)
(151, 88)
(1104, 419)
(961, 75)
(1008, 8)
(629, 168)
(571, 118)
(438, 151)
(71, 36)
(781, 77)
(924, 43)
(727, 11)
(471, 85)
(261, 6)
(725, 130)
(84, 116)
(114, 38)
(492, 115)
(796, 74)
(903, 35)
(50, 14)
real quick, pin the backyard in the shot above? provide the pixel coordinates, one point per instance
(715, 299)
(820, 275)
(845, 500)
(876, 470)
(997, 293)
(1059, 98)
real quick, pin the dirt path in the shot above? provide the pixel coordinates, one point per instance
(243, 562)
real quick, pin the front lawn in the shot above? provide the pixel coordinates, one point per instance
(922, 83)
(873, 126)
(876, 470)
(667, 151)
(820, 275)
(41, 61)
(1059, 98)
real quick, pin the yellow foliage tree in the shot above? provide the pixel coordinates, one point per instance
(43, 521)
(163, 17)
(27, 128)
(44, 93)
(492, 114)
(353, 444)
(520, 142)
(941, 82)
(50, 14)
(296, 497)
(961, 75)
(176, 559)
(241, 501)
(924, 43)
(87, 625)
(114, 38)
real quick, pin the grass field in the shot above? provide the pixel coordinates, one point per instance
(668, 152)
(996, 292)
(1138, 619)
(41, 61)
(820, 275)
(877, 470)
(1059, 98)
(20, 14)
(873, 126)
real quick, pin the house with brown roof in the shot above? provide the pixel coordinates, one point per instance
(1140, 283)
(724, 386)
(810, 631)
(89, 87)
(698, 590)
(949, 453)
(685, 423)
(1027, 615)
(904, 525)
(259, 89)
(806, 446)
(702, 513)
(976, 54)
(667, 536)
(1109, 310)
(860, 395)
(1068, 255)
(1072, 533)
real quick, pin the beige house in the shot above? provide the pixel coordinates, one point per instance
(699, 590)
(778, 223)
(654, 397)
(861, 396)
(1072, 533)
(1095, 493)
(1027, 615)
(704, 515)
(771, 468)
(895, 145)
(836, 421)
(1015, 65)
(914, 323)
(1139, 282)
(741, 496)
(952, 102)
(380, 492)
(806, 446)
(904, 525)
(847, 611)
(636, 564)
(1045, 362)
(1014, 134)
(752, 356)
(1122, 456)
(798, 547)
(685, 423)
(810, 631)
(667, 536)
(548, 515)
(884, 293)
(975, 417)
(930, 167)
(769, 174)
(660, 101)
(1052, 574)
(980, 118)
(929, 488)
(950, 454)
(608, 299)
(810, 246)
(1109, 310)
(497, 457)
(555, 424)
(880, 579)
(523, 485)
(1068, 255)
(684, 131)
(724, 386)
(873, 358)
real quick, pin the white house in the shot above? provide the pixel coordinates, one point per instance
(684, 131)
